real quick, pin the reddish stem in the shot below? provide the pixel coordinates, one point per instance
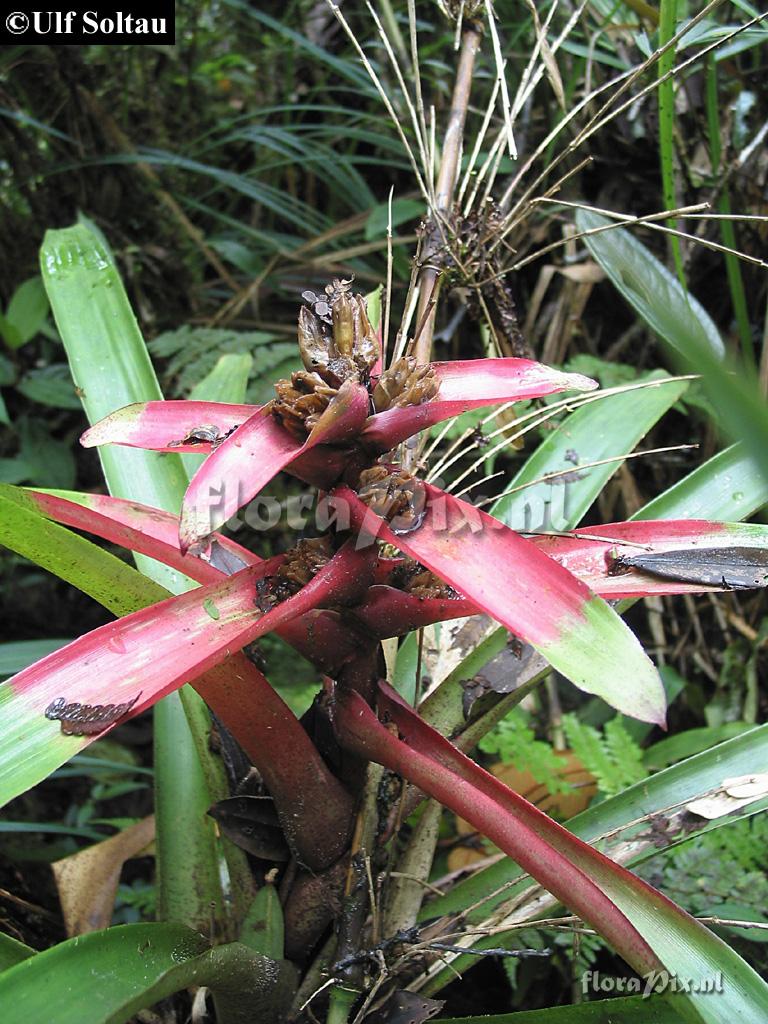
(315, 810)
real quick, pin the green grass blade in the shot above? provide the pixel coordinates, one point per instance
(346, 69)
(727, 233)
(109, 364)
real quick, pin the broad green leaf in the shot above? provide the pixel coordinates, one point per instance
(650, 288)
(732, 389)
(631, 1010)
(263, 928)
(106, 977)
(600, 429)
(26, 313)
(727, 487)
(111, 368)
(109, 363)
(227, 381)
(182, 801)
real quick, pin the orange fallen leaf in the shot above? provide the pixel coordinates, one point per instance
(87, 880)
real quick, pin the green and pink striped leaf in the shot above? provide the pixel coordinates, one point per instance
(145, 530)
(470, 384)
(143, 656)
(532, 595)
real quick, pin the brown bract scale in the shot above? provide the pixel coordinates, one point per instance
(301, 401)
(300, 566)
(405, 383)
(394, 495)
(412, 578)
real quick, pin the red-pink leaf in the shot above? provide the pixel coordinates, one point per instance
(532, 595)
(387, 612)
(470, 384)
(596, 553)
(547, 851)
(238, 470)
(160, 426)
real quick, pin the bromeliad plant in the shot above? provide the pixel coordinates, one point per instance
(397, 554)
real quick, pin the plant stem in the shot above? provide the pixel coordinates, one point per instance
(435, 240)
(405, 894)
